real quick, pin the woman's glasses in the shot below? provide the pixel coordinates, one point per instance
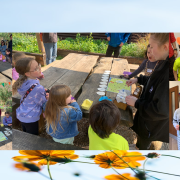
(38, 68)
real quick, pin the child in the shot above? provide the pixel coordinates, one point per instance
(116, 41)
(33, 95)
(7, 120)
(62, 115)
(8, 56)
(1, 56)
(16, 57)
(148, 65)
(151, 121)
(3, 48)
(176, 120)
(176, 67)
(104, 118)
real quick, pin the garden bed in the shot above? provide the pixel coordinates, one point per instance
(41, 58)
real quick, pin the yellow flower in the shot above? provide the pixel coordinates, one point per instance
(28, 166)
(43, 156)
(111, 159)
(119, 177)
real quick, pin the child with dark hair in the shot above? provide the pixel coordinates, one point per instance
(7, 120)
(148, 65)
(9, 55)
(104, 118)
(3, 48)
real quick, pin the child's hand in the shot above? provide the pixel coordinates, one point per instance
(9, 124)
(121, 44)
(130, 100)
(47, 96)
(108, 38)
(131, 81)
(126, 76)
(73, 100)
(177, 127)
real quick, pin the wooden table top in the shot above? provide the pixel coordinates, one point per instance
(117, 66)
(5, 72)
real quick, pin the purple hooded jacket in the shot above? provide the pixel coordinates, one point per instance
(7, 121)
(31, 108)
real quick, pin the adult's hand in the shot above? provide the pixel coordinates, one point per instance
(175, 53)
(108, 38)
(121, 44)
(131, 81)
(177, 127)
(130, 100)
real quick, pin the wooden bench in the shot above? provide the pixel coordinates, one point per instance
(25, 141)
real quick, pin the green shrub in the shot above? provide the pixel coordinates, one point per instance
(27, 42)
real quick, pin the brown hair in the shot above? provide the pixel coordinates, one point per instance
(104, 118)
(145, 54)
(22, 66)
(17, 56)
(56, 103)
(162, 38)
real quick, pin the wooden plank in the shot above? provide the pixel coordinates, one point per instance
(25, 141)
(118, 67)
(4, 78)
(76, 76)
(89, 88)
(133, 66)
(57, 69)
(6, 69)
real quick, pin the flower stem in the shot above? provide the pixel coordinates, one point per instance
(49, 170)
(144, 164)
(43, 175)
(83, 162)
(119, 173)
(160, 172)
(125, 162)
(170, 156)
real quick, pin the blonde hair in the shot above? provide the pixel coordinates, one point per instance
(56, 103)
(17, 56)
(22, 66)
(162, 38)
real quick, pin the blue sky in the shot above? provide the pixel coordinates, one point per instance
(90, 16)
(87, 171)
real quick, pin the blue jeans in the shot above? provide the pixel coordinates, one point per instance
(51, 52)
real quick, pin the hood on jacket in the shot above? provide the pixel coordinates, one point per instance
(26, 85)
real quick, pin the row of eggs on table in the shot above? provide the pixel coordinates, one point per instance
(103, 83)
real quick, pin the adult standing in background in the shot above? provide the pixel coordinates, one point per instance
(50, 44)
(10, 43)
(116, 41)
(3, 48)
(172, 55)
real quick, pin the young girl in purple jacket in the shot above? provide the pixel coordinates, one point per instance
(33, 95)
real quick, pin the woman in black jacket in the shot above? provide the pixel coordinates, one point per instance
(151, 122)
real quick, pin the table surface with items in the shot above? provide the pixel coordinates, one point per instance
(5, 135)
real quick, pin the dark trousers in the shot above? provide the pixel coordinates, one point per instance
(31, 128)
(171, 63)
(111, 49)
(143, 144)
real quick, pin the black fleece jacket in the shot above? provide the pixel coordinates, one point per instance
(152, 117)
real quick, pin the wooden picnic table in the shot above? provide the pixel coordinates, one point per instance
(82, 73)
(5, 72)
